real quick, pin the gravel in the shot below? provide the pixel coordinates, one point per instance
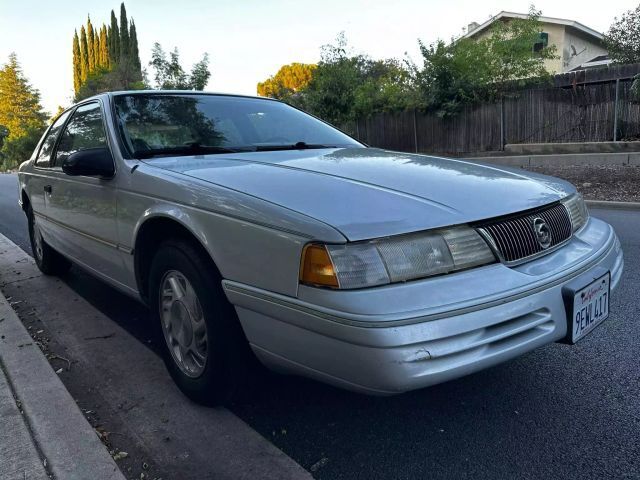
(619, 183)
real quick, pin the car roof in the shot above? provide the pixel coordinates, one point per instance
(180, 92)
(161, 92)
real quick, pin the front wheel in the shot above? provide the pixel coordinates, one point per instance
(47, 259)
(204, 347)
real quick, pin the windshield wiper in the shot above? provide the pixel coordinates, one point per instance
(197, 149)
(191, 149)
(295, 146)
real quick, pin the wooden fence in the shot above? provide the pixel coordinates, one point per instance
(588, 106)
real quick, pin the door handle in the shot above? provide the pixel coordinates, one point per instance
(47, 188)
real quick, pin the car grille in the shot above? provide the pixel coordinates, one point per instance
(515, 240)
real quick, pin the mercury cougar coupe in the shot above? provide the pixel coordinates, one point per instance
(254, 230)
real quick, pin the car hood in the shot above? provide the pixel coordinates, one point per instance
(369, 193)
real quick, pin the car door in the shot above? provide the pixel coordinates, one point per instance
(38, 182)
(82, 209)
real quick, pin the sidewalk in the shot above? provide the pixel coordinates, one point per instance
(43, 434)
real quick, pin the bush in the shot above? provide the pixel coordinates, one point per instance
(18, 149)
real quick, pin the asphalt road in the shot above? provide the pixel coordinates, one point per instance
(558, 412)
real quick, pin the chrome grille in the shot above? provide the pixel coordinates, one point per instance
(514, 238)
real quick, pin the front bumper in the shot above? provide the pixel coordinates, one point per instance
(406, 336)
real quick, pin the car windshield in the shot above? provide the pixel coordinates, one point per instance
(174, 124)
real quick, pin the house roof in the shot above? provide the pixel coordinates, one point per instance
(558, 21)
(599, 58)
(597, 62)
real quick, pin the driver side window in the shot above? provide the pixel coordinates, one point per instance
(43, 160)
(85, 130)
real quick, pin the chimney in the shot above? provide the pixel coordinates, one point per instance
(472, 26)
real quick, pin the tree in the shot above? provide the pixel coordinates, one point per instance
(16, 150)
(107, 58)
(510, 51)
(104, 48)
(200, 74)
(331, 91)
(84, 55)
(169, 74)
(124, 33)
(4, 132)
(77, 68)
(452, 75)
(289, 80)
(134, 54)
(59, 112)
(114, 41)
(345, 86)
(623, 38)
(387, 86)
(467, 71)
(91, 48)
(124, 76)
(21, 115)
(96, 50)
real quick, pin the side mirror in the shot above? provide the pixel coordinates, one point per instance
(91, 162)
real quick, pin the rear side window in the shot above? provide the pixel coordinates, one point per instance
(84, 130)
(44, 155)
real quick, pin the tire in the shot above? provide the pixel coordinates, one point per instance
(47, 259)
(223, 375)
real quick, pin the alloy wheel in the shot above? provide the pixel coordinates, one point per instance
(183, 323)
(37, 241)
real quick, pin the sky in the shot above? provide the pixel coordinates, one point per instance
(248, 40)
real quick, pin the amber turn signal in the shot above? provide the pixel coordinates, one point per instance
(316, 267)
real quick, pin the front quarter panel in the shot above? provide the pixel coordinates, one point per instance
(250, 240)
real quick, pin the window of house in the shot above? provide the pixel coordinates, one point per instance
(541, 43)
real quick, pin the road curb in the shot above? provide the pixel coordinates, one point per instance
(69, 445)
(145, 402)
(613, 205)
(20, 456)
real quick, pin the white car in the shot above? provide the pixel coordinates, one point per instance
(252, 229)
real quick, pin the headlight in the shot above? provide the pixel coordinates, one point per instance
(394, 259)
(577, 211)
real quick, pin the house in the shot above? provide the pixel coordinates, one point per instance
(578, 46)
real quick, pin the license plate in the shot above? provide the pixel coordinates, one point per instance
(590, 307)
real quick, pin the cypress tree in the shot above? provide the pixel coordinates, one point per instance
(133, 47)
(91, 46)
(110, 46)
(96, 49)
(115, 40)
(104, 47)
(84, 56)
(124, 33)
(77, 69)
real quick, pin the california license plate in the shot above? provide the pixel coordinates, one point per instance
(590, 307)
